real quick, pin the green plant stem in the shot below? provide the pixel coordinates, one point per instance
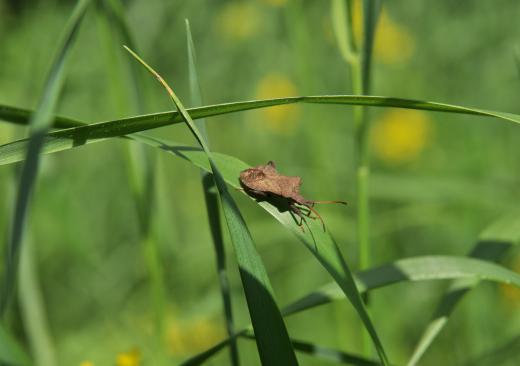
(212, 207)
(128, 93)
(33, 309)
(358, 58)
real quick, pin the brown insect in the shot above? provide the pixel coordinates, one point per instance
(263, 182)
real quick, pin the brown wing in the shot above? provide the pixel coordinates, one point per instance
(265, 178)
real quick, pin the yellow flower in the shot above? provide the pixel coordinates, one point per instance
(130, 358)
(510, 293)
(196, 336)
(238, 21)
(392, 44)
(275, 2)
(281, 119)
(86, 363)
(401, 135)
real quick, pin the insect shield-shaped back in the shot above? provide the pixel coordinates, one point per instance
(263, 182)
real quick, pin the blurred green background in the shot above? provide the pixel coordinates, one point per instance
(438, 179)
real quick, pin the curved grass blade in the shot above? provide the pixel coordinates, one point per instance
(494, 242)
(81, 135)
(11, 353)
(212, 208)
(39, 123)
(320, 243)
(129, 94)
(425, 268)
(202, 357)
(504, 232)
(273, 342)
(406, 270)
(325, 353)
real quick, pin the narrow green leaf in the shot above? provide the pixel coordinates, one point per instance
(77, 136)
(494, 242)
(412, 269)
(273, 342)
(202, 357)
(212, 208)
(39, 123)
(319, 242)
(406, 270)
(11, 353)
(129, 93)
(341, 15)
(325, 353)
(371, 10)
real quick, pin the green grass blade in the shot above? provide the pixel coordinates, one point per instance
(341, 15)
(39, 123)
(327, 354)
(417, 269)
(425, 268)
(32, 308)
(77, 136)
(371, 10)
(212, 208)
(129, 93)
(11, 353)
(320, 243)
(494, 242)
(273, 342)
(202, 357)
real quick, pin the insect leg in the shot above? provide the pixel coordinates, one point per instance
(317, 216)
(300, 224)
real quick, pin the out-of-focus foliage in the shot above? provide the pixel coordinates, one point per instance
(437, 179)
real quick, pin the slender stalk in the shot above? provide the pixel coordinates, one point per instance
(359, 59)
(33, 310)
(129, 94)
(212, 206)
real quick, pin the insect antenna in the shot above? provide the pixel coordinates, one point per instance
(314, 202)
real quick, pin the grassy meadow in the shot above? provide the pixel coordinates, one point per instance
(130, 243)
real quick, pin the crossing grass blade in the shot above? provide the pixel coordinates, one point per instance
(494, 242)
(212, 207)
(326, 354)
(11, 353)
(272, 339)
(320, 243)
(39, 123)
(72, 137)
(413, 269)
(129, 93)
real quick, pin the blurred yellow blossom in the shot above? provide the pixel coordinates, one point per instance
(195, 336)
(510, 293)
(281, 119)
(86, 363)
(393, 43)
(275, 2)
(400, 135)
(130, 358)
(238, 20)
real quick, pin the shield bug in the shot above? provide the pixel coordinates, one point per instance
(263, 182)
